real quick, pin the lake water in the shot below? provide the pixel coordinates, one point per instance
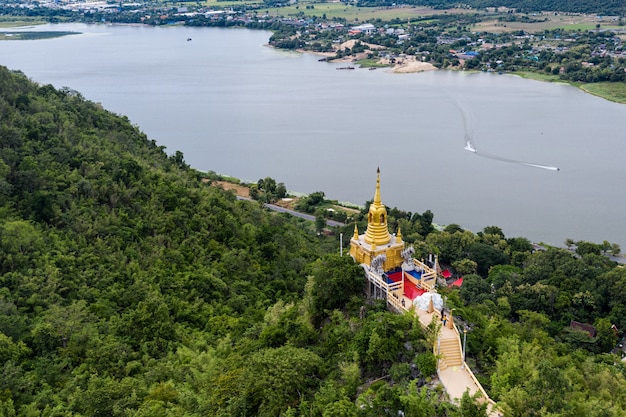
(237, 107)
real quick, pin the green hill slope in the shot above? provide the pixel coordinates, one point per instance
(114, 256)
(130, 288)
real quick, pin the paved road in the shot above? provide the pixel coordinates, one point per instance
(331, 223)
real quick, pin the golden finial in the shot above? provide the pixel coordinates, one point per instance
(399, 235)
(356, 233)
(377, 194)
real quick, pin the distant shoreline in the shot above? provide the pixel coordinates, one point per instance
(238, 183)
(611, 91)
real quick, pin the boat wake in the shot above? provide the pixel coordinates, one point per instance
(470, 147)
(549, 168)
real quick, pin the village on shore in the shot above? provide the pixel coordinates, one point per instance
(585, 50)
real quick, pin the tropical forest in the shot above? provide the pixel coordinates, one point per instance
(133, 285)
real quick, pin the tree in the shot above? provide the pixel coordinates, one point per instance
(10, 351)
(278, 377)
(417, 402)
(471, 406)
(316, 198)
(335, 280)
(178, 159)
(426, 223)
(452, 228)
(267, 185)
(493, 230)
(254, 191)
(281, 190)
(426, 363)
(452, 246)
(486, 256)
(341, 408)
(320, 221)
(66, 321)
(615, 249)
(19, 241)
(465, 266)
(501, 274)
(475, 289)
(583, 248)
(605, 334)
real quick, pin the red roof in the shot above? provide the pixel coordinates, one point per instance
(446, 273)
(457, 283)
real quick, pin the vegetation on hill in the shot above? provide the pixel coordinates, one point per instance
(128, 287)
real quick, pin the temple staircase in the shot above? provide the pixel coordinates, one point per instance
(449, 350)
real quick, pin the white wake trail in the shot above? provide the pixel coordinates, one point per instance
(468, 126)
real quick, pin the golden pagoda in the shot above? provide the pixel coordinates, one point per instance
(377, 240)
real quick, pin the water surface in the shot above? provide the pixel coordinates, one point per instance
(237, 107)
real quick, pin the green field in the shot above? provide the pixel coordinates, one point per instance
(539, 76)
(611, 91)
(350, 13)
(23, 36)
(585, 27)
(370, 63)
(9, 22)
(222, 4)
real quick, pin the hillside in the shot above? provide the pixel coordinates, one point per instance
(129, 287)
(114, 257)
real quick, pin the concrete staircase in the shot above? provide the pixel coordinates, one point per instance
(450, 352)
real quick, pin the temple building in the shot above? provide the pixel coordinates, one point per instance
(390, 269)
(407, 284)
(377, 240)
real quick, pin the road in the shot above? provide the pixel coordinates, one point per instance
(330, 223)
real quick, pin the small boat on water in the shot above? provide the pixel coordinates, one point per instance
(469, 147)
(188, 39)
(345, 68)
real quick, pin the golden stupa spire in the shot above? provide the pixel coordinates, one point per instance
(377, 193)
(377, 233)
(399, 235)
(356, 232)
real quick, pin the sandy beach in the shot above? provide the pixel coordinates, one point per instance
(410, 64)
(403, 65)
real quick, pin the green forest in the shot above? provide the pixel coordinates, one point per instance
(130, 286)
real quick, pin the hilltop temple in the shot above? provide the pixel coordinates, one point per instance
(377, 240)
(409, 285)
(390, 269)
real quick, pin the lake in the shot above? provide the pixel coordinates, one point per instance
(237, 107)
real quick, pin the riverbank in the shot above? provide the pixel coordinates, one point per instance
(401, 65)
(289, 205)
(611, 91)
